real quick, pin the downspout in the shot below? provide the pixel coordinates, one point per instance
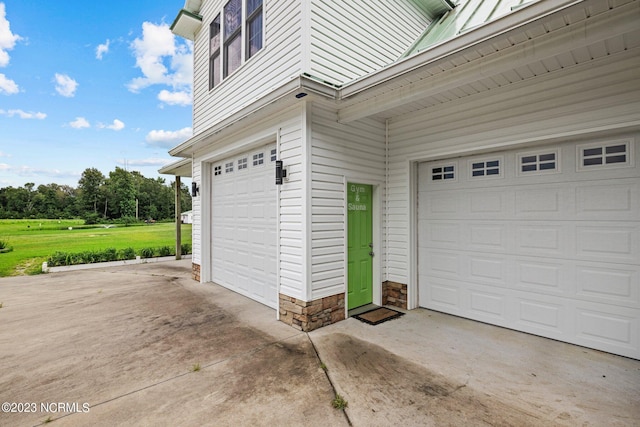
(278, 133)
(385, 277)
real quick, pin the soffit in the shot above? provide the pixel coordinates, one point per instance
(581, 32)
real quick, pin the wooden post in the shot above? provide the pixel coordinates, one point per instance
(178, 220)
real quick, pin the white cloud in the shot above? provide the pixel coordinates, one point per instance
(23, 114)
(7, 38)
(65, 85)
(162, 60)
(79, 123)
(175, 98)
(102, 49)
(168, 138)
(28, 171)
(116, 125)
(154, 161)
(7, 85)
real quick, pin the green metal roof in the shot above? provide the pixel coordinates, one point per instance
(465, 16)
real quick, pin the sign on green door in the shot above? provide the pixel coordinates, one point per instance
(359, 245)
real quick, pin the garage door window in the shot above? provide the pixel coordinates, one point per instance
(538, 163)
(228, 167)
(217, 170)
(443, 172)
(600, 156)
(258, 159)
(486, 168)
(274, 155)
(242, 163)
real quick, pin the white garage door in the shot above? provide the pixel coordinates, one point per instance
(243, 230)
(545, 241)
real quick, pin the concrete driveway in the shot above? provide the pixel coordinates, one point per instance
(121, 346)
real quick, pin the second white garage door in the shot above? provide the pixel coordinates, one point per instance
(243, 230)
(545, 241)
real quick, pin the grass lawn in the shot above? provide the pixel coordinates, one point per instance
(34, 240)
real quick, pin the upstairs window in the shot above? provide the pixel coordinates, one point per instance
(235, 36)
(214, 53)
(254, 27)
(232, 36)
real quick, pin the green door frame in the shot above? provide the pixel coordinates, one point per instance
(360, 265)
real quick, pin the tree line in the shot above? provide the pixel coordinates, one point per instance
(123, 195)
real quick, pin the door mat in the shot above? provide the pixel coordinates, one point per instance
(378, 315)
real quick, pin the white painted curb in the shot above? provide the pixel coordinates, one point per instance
(138, 260)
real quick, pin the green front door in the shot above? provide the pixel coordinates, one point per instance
(359, 244)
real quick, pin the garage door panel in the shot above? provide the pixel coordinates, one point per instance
(555, 253)
(243, 231)
(607, 243)
(617, 201)
(598, 325)
(605, 284)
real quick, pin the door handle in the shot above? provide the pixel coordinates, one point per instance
(371, 253)
(371, 245)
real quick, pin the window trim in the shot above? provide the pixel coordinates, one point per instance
(485, 160)
(445, 164)
(538, 171)
(242, 32)
(215, 54)
(628, 143)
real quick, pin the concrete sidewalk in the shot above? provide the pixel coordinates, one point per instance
(432, 369)
(146, 345)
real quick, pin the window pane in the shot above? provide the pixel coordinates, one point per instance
(493, 172)
(478, 166)
(478, 173)
(448, 168)
(616, 149)
(214, 71)
(591, 162)
(436, 170)
(448, 176)
(616, 159)
(214, 30)
(546, 157)
(254, 43)
(592, 151)
(528, 168)
(529, 159)
(493, 163)
(232, 17)
(547, 166)
(436, 177)
(233, 55)
(253, 5)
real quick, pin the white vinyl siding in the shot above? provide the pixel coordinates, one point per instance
(352, 38)
(355, 152)
(560, 105)
(276, 63)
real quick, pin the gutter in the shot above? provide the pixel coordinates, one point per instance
(518, 18)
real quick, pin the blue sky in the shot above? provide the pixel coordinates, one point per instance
(90, 84)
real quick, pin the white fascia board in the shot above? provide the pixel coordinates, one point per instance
(280, 98)
(180, 168)
(450, 47)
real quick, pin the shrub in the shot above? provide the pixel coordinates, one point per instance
(147, 252)
(91, 218)
(185, 248)
(127, 253)
(164, 251)
(57, 259)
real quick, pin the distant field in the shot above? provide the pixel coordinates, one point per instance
(34, 240)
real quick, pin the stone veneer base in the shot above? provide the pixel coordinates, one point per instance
(195, 272)
(394, 294)
(309, 315)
